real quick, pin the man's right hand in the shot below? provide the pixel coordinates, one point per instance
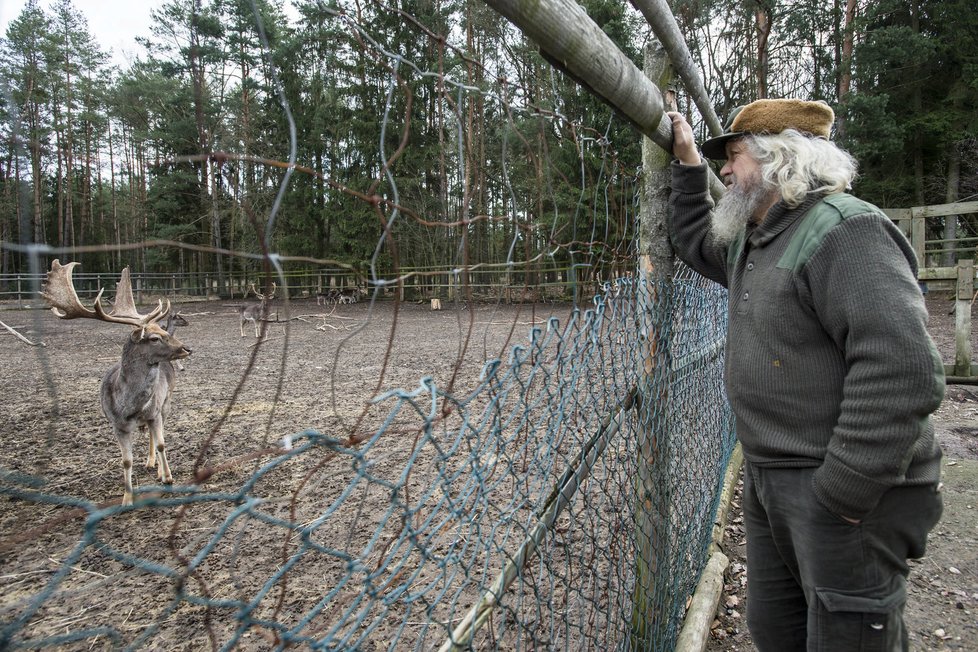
(683, 144)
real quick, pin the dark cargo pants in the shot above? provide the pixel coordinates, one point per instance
(818, 583)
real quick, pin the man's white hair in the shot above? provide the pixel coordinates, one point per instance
(797, 165)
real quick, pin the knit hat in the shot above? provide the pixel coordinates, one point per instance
(769, 117)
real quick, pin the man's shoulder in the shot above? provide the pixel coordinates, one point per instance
(842, 205)
(832, 211)
(827, 214)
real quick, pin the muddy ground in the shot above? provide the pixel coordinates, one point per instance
(319, 374)
(942, 608)
(234, 409)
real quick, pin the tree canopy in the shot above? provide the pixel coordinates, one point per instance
(428, 133)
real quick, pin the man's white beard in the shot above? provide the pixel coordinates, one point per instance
(737, 207)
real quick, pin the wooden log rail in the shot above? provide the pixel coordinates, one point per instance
(574, 44)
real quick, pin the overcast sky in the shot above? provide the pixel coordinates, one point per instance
(114, 23)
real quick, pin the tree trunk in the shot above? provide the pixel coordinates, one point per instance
(198, 73)
(763, 17)
(113, 208)
(59, 183)
(918, 106)
(951, 196)
(69, 149)
(10, 183)
(844, 65)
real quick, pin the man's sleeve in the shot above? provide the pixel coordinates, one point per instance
(689, 222)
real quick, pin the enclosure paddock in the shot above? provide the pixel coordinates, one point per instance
(359, 478)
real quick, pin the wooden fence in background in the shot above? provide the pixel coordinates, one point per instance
(959, 279)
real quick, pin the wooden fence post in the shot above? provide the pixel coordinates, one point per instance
(962, 317)
(918, 236)
(650, 611)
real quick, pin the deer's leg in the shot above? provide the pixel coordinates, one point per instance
(125, 443)
(151, 456)
(242, 327)
(156, 437)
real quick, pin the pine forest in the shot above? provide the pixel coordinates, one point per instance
(243, 127)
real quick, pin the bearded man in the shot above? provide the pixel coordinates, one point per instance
(829, 370)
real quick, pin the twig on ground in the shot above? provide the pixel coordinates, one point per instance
(324, 326)
(21, 337)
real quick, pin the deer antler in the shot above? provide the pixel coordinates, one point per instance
(59, 292)
(261, 297)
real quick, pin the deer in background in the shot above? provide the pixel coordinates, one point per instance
(255, 312)
(174, 319)
(351, 295)
(135, 392)
(333, 296)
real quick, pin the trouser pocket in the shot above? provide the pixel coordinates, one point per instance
(867, 621)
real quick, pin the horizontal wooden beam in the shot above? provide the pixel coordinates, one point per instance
(573, 43)
(937, 273)
(940, 210)
(897, 214)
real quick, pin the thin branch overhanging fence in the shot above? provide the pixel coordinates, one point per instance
(495, 510)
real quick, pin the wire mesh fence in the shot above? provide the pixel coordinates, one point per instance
(536, 466)
(543, 504)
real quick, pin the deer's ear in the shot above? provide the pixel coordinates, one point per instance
(136, 335)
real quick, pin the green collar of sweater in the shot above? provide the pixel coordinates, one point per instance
(819, 213)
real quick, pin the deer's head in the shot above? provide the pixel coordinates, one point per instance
(156, 345)
(59, 291)
(264, 298)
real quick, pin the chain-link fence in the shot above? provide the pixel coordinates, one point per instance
(562, 499)
(529, 468)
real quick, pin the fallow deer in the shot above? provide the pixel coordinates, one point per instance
(327, 297)
(351, 295)
(174, 319)
(335, 296)
(255, 312)
(135, 392)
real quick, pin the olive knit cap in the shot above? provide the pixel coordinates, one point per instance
(769, 117)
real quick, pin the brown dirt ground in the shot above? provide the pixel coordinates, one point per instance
(321, 376)
(942, 608)
(52, 428)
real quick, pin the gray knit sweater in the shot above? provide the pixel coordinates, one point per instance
(828, 361)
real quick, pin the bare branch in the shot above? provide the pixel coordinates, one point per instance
(21, 337)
